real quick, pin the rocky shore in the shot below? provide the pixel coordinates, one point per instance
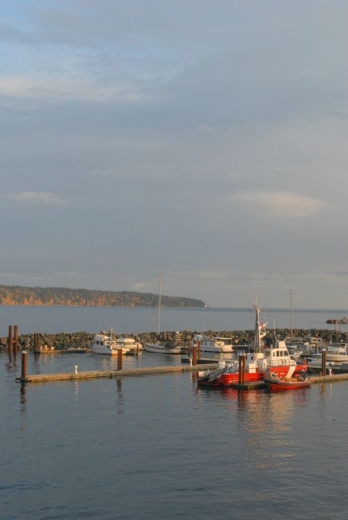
(80, 340)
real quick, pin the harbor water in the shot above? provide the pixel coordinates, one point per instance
(127, 320)
(158, 447)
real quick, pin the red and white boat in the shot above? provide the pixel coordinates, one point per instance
(260, 362)
(281, 384)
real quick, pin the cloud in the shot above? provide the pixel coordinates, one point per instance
(281, 203)
(62, 89)
(38, 197)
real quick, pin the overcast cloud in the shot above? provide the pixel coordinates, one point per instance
(206, 140)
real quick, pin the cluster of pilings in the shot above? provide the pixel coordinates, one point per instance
(12, 341)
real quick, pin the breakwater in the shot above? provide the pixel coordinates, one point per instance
(78, 340)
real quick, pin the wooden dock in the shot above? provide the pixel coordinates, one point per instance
(109, 374)
(63, 351)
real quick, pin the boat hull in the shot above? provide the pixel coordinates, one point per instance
(285, 385)
(229, 379)
(161, 349)
(105, 351)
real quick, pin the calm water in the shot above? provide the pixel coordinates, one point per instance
(52, 320)
(155, 447)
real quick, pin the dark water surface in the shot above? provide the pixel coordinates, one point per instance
(155, 447)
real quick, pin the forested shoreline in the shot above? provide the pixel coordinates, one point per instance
(46, 296)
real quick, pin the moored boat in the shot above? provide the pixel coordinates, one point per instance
(169, 347)
(107, 344)
(260, 362)
(336, 353)
(216, 345)
(281, 384)
(129, 343)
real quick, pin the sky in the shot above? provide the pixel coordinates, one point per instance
(203, 140)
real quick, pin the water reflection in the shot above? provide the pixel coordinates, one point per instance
(23, 397)
(120, 397)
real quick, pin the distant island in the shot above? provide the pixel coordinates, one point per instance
(17, 295)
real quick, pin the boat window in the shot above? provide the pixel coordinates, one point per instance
(277, 353)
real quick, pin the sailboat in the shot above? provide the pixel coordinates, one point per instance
(166, 347)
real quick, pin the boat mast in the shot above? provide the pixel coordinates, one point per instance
(159, 302)
(257, 339)
(291, 324)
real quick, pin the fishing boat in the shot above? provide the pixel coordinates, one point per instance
(167, 347)
(281, 384)
(260, 362)
(107, 344)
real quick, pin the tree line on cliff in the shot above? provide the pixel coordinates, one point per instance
(17, 295)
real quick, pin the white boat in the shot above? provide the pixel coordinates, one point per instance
(336, 353)
(162, 347)
(169, 347)
(128, 344)
(107, 345)
(217, 344)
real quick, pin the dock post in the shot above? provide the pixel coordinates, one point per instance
(198, 349)
(194, 355)
(323, 362)
(240, 369)
(119, 359)
(10, 340)
(15, 340)
(24, 365)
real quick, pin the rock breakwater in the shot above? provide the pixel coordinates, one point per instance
(79, 340)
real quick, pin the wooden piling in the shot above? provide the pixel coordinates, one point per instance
(198, 349)
(194, 355)
(119, 359)
(24, 365)
(10, 341)
(323, 362)
(15, 340)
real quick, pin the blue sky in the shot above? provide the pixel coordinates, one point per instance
(206, 140)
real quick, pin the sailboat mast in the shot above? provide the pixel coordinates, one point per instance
(159, 302)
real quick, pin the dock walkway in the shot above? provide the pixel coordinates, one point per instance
(109, 374)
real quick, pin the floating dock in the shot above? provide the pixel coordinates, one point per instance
(63, 351)
(116, 374)
(109, 374)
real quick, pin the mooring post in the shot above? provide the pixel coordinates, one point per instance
(240, 369)
(10, 341)
(15, 340)
(323, 362)
(119, 359)
(194, 355)
(243, 368)
(24, 365)
(199, 349)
